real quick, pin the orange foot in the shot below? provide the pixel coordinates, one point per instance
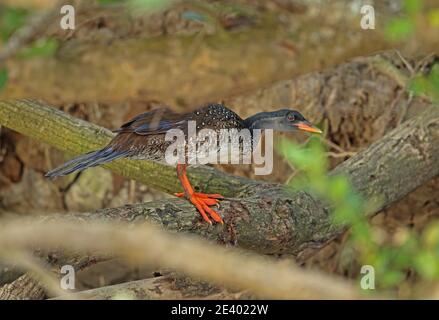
(202, 201)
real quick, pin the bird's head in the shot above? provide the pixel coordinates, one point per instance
(284, 120)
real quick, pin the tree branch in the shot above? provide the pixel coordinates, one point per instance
(163, 287)
(74, 136)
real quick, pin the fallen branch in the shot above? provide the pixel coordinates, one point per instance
(160, 68)
(163, 287)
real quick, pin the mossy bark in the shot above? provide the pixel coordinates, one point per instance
(75, 136)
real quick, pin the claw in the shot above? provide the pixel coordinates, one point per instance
(201, 201)
(209, 199)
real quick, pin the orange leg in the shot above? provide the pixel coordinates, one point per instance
(201, 201)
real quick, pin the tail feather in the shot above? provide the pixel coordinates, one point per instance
(85, 161)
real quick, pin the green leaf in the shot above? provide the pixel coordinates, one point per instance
(433, 18)
(151, 5)
(400, 29)
(11, 20)
(430, 236)
(44, 47)
(104, 2)
(434, 77)
(427, 264)
(403, 259)
(391, 278)
(419, 85)
(428, 86)
(361, 230)
(338, 188)
(3, 77)
(413, 6)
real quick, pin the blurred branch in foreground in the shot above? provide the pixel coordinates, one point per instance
(144, 244)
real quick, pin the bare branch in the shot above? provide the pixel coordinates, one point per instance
(163, 287)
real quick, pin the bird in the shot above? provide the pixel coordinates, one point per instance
(144, 138)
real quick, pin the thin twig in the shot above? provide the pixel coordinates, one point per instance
(340, 154)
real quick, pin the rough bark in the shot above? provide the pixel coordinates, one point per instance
(170, 286)
(24, 287)
(163, 287)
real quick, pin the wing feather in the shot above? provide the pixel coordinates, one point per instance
(153, 122)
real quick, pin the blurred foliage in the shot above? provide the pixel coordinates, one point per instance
(150, 5)
(401, 28)
(104, 2)
(3, 77)
(12, 19)
(433, 18)
(391, 256)
(427, 85)
(44, 47)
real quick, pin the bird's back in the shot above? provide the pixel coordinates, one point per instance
(144, 136)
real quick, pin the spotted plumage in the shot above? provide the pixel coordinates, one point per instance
(143, 137)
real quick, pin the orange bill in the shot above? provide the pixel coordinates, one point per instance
(308, 127)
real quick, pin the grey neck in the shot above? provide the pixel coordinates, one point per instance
(261, 120)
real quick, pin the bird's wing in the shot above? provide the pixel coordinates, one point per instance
(153, 122)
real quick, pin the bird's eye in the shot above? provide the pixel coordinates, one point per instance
(290, 117)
